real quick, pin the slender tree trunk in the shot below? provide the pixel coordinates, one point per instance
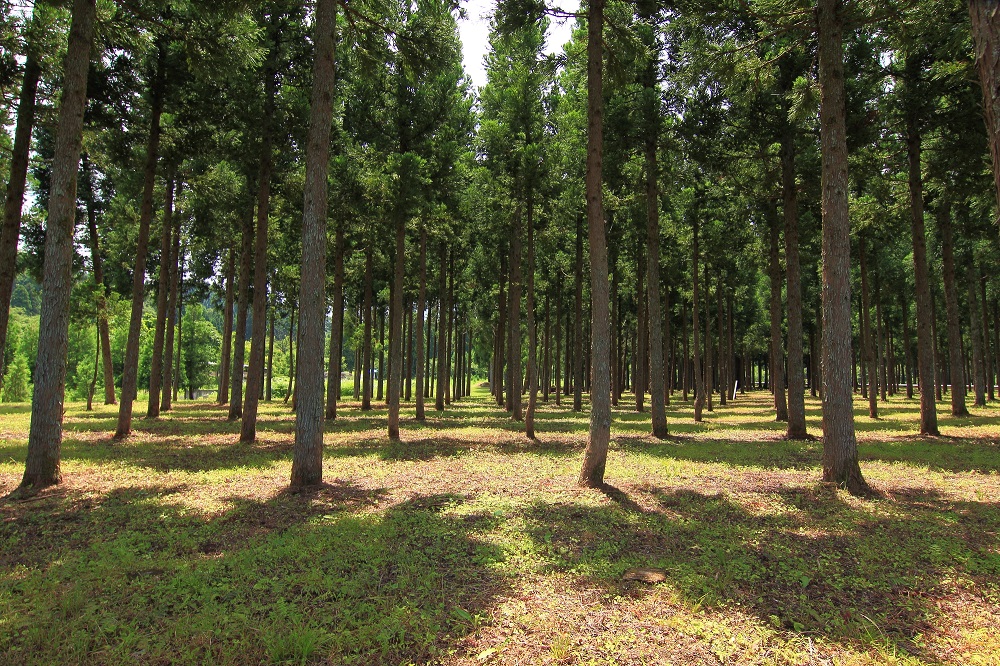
(366, 378)
(268, 395)
(708, 342)
(242, 305)
(906, 345)
(131, 369)
(654, 315)
(103, 331)
(925, 354)
(529, 418)
(442, 331)
(396, 334)
(258, 329)
(336, 326)
(558, 336)
(547, 379)
(976, 336)
(93, 379)
(722, 361)
(45, 437)
(866, 333)
(777, 348)
(381, 356)
(227, 330)
(156, 364)
(685, 370)
(880, 340)
(641, 330)
(699, 378)
(840, 450)
(793, 288)
(987, 355)
(307, 461)
(292, 339)
(180, 320)
(11, 230)
(946, 230)
(166, 395)
(578, 310)
(596, 455)
(421, 308)
(408, 393)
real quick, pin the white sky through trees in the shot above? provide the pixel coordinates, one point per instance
(475, 33)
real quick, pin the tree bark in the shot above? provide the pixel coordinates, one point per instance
(242, 305)
(709, 345)
(596, 454)
(162, 292)
(45, 436)
(976, 336)
(578, 309)
(336, 326)
(366, 367)
(985, 20)
(307, 460)
(793, 288)
(258, 329)
(529, 417)
(925, 352)
(103, 331)
(987, 355)
(421, 308)
(840, 450)
(699, 378)
(777, 347)
(396, 334)
(131, 369)
(957, 376)
(11, 230)
(514, 318)
(271, 314)
(866, 333)
(168, 353)
(227, 330)
(442, 331)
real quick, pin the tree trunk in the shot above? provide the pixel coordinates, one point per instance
(442, 332)
(578, 310)
(641, 330)
(699, 378)
(380, 379)
(709, 345)
(396, 334)
(976, 336)
(292, 339)
(596, 455)
(156, 363)
(258, 329)
(721, 360)
(840, 449)
(336, 326)
(421, 307)
(777, 348)
(307, 461)
(558, 336)
(408, 392)
(925, 353)
(957, 377)
(242, 305)
(166, 395)
(11, 231)
(987, 355)
(45, 437)
(268, 381)
(985, 21)
(866, 333)
(227, 330)
(529, 418)
(366, 307)
(180, 321)
(793, 288)
(103, 331)
(131, 369)
(906, 345)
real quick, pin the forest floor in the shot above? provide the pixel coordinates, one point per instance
(468, 544)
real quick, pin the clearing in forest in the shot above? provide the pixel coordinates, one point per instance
(468, 544)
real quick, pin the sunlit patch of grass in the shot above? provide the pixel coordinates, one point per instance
(468, 543)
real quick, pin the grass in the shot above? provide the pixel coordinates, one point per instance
(468, 544)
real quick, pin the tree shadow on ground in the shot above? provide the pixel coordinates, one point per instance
(809, 563)
(333, 574)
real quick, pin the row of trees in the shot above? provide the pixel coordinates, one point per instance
(714, 167)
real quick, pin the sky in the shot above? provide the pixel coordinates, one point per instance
(475, 33)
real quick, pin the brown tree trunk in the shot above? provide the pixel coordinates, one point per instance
(380, 379)
(336, 326)
(11, 230)
(866, 333)
(442, 332)
(45, 437)
(709, 344)
(976, 336)
(166, 395)
(793, 288)
(558, 336)
(258, 329)
(777, 348)
(131, 369)
(292, 340)
(180, 322)
(985, 20)
(529, 417)
(307, 460)
(227, 330)
(907, 364)
(103, 331)
(408, 392)
(396, 334)
(421, 308)
(987, 355)
(366, 307)
(514, 316)
(596, 454)
(156, 363)
(641, 330)
(268, 380)
(699, 378)
(925, 353)
(578, 309)
(957, 377)
(840, 449)
(242, 305)
(721, 361)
